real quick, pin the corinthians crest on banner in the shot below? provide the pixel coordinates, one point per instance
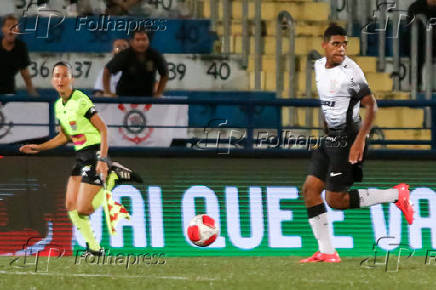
(144, 125)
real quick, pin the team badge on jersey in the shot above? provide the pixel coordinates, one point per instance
(149, 65)
(333, 86)
(73, 125)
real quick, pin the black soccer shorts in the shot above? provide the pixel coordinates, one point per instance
(86, 162)
(330, 163)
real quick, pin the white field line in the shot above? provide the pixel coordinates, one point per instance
(57, 274)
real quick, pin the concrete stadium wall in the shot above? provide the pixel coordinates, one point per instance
(189, 72)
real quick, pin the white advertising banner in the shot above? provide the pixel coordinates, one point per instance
(129, 125)
(140, 125)
(22, 120)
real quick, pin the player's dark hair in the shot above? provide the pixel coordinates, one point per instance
(142, 30)
(334, 29)
(8, 17)
(62, 63)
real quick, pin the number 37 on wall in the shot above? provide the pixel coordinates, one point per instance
(80, 69)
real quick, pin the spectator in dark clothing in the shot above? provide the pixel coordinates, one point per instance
(117, 46)
(139, 65)
(120, 7)
(14, 58)
(427, 8)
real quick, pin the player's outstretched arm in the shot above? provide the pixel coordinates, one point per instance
(357, 149)
(58, 140)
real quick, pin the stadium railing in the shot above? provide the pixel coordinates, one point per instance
(245, 145)
(385, 21)
(285, 22)
(257, 44)
(428, 74)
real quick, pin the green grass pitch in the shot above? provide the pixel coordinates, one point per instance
(217, 273)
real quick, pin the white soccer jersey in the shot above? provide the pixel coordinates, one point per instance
(340, 90)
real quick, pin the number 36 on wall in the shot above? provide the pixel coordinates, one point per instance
(81, 69)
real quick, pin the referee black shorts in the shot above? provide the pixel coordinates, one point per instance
(330, 162)
(86, 162)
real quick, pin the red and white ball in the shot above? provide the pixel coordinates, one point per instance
(202, 230)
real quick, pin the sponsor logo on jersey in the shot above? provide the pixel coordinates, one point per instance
(328, 103)
(79, 139)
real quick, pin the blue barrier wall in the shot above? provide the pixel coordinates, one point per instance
(201, 115)
(96, 33)
(251, 110)
(228, 115)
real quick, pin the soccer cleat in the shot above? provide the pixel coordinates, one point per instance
(89, 252)
(321, 257)
(125, 174)
(404, 203)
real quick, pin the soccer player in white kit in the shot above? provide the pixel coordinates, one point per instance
(337, 162)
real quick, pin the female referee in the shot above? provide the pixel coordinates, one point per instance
(80, 123)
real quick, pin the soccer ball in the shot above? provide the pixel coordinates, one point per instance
(202, 230)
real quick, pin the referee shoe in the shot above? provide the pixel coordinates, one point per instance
(321, 257)
(404, 203)
(89, 252)
(125, 174)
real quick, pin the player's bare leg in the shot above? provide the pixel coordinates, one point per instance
(72, 190)
(87, 199)
(85, 196)
(312, 190)
(318, 220)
